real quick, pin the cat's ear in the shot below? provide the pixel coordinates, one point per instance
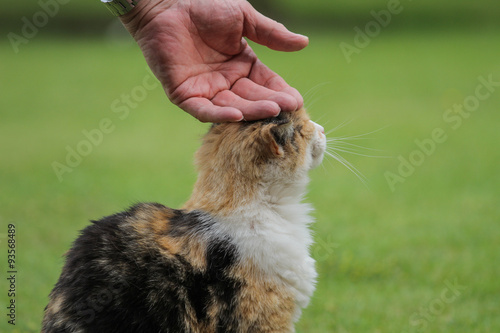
(280, 135)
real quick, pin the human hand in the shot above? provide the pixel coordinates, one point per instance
(197, 51)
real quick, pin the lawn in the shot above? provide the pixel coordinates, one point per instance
(416, 249)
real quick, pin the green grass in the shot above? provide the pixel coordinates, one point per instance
(384, 257)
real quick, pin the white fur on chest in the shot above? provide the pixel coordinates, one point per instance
(276, 239)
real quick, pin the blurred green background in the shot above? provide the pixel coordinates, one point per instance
(417, 249)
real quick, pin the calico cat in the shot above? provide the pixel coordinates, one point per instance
(235, 258)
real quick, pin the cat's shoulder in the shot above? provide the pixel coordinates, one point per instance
(152, 218)
(148, 228)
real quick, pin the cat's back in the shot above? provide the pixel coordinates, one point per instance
(156, 269)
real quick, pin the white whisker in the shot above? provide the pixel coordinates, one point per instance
(344, 144)
(350, 147)
(344, 123)
(310, 94)
(361, 136)
(356, 153)
(340, 143)
(349, 166)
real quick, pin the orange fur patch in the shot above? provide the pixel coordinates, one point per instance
(231, 166)
(276, 304)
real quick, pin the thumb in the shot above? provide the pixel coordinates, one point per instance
(270, 33)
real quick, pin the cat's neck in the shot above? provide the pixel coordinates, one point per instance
(229, 194)
(269, 224)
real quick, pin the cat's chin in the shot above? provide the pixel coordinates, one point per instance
(318, 155)
(317, 162)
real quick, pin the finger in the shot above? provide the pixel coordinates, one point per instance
(250, 90)
(296, 95)
(205, 111)
(252, 110)
(261, 74)
(270, 33)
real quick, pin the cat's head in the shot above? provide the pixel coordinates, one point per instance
(285, 146)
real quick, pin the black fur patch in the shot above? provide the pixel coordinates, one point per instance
(281, 119)
(114, 280)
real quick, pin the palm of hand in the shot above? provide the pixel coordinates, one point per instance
(208, 69)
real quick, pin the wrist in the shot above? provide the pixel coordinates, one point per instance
(120, 7)
(143, 12)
